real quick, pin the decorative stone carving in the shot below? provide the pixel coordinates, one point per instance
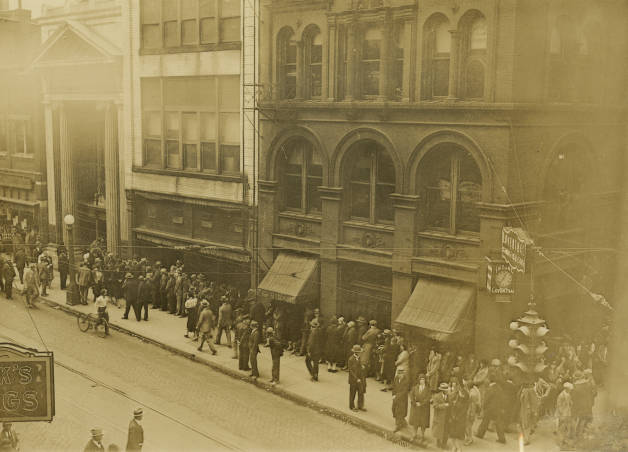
(372, 240)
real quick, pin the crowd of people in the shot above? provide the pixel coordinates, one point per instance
(451, 393)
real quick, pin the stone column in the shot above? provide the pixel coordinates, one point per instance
(331, 198)
(68, 184)
(112, 185)
(50, 170)
(453, 64)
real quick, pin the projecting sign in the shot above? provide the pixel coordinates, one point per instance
(499, 278)
(26, 384)
(515, 243)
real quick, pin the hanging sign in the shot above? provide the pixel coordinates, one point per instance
(26, 384)
(515, 244)
(499, 278)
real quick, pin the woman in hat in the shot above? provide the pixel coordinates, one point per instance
(190, 309)
(440, 401)
(458, 410)
(420, 396)
(433, 367)
(331, 343)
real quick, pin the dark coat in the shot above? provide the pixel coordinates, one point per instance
(254, 340)
(357, 372)
(276, 348)
(350, 338)
(458, 413)
(420, 406)
(258, 313)
(401, 387)
(331, 341)
(494, 401)
(136, 437)
(92, 447)
(8, 273)
(315, 343)
(130, 289)
(146, 291)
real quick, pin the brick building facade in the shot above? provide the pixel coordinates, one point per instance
(399, 138)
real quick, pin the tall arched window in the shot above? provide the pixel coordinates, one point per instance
(450, 183)
(474, 47)
(287, 64)
(302, 174)
(437, 54)
(313, 46)
(371, 180)
(371, 58)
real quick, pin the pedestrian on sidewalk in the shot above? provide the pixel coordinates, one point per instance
(95, 443)
(493, 406)
(528, 411)
(237, 333)
(458, 411)
(135, 439)
(145, 294)
(276, 352)
(20, 263)
(243, 361)
(369, 339)
(349, 339)
(171, 296)
(254, 339)
(340, 357)
(205, 325)
(440, 403)
(475, 408)
(357, 379)
(420, 396)
(31, 285)
(9, 440)
(190, 308)
(84, 281)
(8, 274)
(564, 405)
(44, 274)
(314, 349)
(101, 307)
(130, 289)
(331, 343)
(98, 279)
(400, 399)
(224, 321)
(163, 283)
(63, 265)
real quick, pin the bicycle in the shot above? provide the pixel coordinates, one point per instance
(87, 321)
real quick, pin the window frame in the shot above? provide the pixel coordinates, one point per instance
(306, 151)
(180, 111)
(432, 57)
(470, 56)
(310, 37)
(285, 39)
(363, 61)
(11, 136)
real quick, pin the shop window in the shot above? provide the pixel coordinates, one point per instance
(314, 62)
(287, 62)
(192, 124)
(437, 51)
(473, 55)
(302, 174)
(370, 61)
(371, 174)
(451, 185)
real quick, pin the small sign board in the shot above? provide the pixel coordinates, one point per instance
(515, 243)
(26, 384)
(499, 278)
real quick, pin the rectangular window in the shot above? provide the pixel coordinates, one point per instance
(207, 14)
(151, 12)
(371, 54)
(229, 20)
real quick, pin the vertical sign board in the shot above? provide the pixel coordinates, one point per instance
(515, 243)
(26, 384)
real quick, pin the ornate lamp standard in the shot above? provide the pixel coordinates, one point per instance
(71, 292)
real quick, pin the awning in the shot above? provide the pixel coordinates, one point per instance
(440, 309)
(291, 278)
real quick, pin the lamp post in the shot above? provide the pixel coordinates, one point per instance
(71, 292)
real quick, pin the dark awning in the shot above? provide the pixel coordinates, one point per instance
(291, 278)
(440, 309)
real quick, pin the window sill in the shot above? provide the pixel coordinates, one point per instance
(299, 215)
(190, 174)
(24, 156)
(193, 48)
(369, 226)
(466, 238)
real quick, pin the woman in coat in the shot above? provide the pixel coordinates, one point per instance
(340, 357)
(458, 411)
(331, 342)
(420, 396)
(433, 367)
(440, 401)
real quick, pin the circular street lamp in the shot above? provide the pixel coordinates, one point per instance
(71, 292)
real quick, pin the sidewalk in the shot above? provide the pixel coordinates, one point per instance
(328, 396)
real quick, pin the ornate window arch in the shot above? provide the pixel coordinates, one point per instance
(473, 54)
(286, 64)
(436, 56)
(300, 169)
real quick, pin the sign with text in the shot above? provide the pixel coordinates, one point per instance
(515, 243)
(26, 384)
(499, 278)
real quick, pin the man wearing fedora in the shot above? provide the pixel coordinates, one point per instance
(95, 443)
(84, 281)
(276, 352)
(357, 379)
(314, 349)
(31, 285)
(440, 404)
(130, 289)
(255, 338)
(136, 432)
(205, 325)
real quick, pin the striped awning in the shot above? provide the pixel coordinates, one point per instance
(440, 309)
(291, 278)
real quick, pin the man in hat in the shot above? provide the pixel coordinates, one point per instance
(401, 388)
(564, 405)
(84, 281)
(8, 273)
(314, 349)
(357, 379)
(20, 263)
(31, 285)
(205, 325)
(440, 404)
(101, 303)
(163, 283)
(224, 321)
(276, 352)
(583, 397)
(129, 289)
(95, 443)
(254, 339)
(63, 265)
(369, 339)
(145, 292)
(243, 352)
(494, 410)
(8, 438)
(136, 432)
(349, 339)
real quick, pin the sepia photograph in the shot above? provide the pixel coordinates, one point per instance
(313, 225)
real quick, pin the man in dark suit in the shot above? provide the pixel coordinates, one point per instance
(243, 358)
(494, 401)
(276, 352)
(314, 349)
(63, 264)
(8, 274)
(254, 340)
(130, 289)
(145, 295)
(95, 443)
(136, 432)
(357, 379)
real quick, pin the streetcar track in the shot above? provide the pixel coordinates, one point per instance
(125, 395)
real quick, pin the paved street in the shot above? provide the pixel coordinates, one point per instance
(187, 406)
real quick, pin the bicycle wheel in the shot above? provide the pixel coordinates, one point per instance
(83, 322)
(101, 328)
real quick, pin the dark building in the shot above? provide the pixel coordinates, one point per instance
(399, 138)
(22, 156)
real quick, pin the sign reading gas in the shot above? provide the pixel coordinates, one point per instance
(26, 384)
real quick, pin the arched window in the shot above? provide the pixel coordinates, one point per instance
(302, 174)
(474, 47)
(313, 44)
(287, 64)
(437, 51)
(371, 57)
(450, 182)
(371, 180)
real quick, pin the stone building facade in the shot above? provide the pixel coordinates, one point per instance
(398, 138)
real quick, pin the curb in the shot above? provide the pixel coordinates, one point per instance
(320, 408)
